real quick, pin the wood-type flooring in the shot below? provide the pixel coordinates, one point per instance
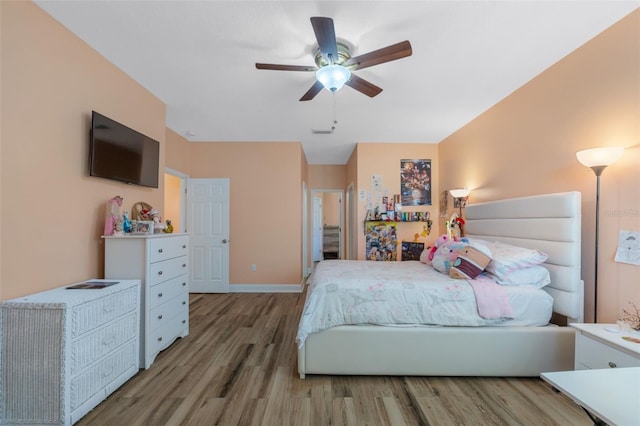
(238, 367)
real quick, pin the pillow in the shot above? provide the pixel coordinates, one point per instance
(470, 263)
(507, 258)
(536, 276)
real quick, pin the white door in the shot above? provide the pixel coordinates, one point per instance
(208, 228)
(317, 229)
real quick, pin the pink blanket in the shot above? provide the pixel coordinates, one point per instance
(492, 299)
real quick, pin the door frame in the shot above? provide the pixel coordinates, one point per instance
(184, 179)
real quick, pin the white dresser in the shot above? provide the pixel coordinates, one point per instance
(161, 262)
(64, 350)
(603, 346)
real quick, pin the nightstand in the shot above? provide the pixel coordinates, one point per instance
(598, 347)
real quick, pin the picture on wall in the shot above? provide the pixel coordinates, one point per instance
(411, 250)
(381, 241)
(415, 182)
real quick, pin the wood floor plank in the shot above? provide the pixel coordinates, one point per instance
(238, 366)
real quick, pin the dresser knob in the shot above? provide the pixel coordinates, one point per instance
(160, 316)
(184, 284)
(184, 321)
(184, 303)
(612, 364)
(184, 246)
(159, 250)
(159, 294)
(184, 265)
(160, 339)
(159, 272)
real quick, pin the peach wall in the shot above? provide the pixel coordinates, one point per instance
(52, 211)
(384, 159)
(266, 206)
(172, 197)
(331, 208)
(328, 176)
(177, 151)
(526, 145)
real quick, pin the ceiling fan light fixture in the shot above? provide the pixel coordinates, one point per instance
(333, 76)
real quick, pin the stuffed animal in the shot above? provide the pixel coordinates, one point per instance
(428, 259)
(470, 263)
(446, 253)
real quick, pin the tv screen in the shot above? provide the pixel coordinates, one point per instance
(119, 153)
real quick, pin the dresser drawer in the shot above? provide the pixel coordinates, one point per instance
(591, 353)
(164, 313)
(87, 316)
(93, 346)
(167, 248)
(95, 379)
(167, 290)
(172, 328)
(163, 271)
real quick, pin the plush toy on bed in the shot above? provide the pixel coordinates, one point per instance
(470, 263)
(447, 252)
(429, 252)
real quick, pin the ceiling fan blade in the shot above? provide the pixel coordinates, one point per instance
(312, 92)
(277, 67)
(363, 86)
(386, 54)
(326, 36)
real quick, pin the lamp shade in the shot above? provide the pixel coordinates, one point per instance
(596, 157)
(333, 77)
(460, 192)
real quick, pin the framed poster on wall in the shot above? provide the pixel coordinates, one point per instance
(382, 241)
(415, 182)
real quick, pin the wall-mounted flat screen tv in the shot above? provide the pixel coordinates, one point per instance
(120, 153)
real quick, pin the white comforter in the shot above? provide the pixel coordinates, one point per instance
(404, 293)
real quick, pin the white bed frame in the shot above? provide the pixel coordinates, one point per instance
(551, 223)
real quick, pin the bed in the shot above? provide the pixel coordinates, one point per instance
(550, 223)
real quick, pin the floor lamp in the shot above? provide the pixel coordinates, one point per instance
(460, 197)
(598, 159)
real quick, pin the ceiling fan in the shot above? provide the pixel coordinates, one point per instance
(334, 64)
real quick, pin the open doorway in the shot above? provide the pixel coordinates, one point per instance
(175, 189)
(328, 216)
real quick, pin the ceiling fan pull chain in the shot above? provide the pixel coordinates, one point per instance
(335, 121)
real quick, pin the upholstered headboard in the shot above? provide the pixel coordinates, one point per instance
(550, 223)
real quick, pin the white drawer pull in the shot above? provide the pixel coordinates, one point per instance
(160, 250)
(109, 308)
(160, 316)
(612, 364)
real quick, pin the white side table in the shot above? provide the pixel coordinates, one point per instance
(603, 346)
(609, 396)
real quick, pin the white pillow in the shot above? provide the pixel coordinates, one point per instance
(507, 258)
(536, 276)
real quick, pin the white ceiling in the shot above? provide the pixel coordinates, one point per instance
(199, 58)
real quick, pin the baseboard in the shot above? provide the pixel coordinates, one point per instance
(267, 288)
